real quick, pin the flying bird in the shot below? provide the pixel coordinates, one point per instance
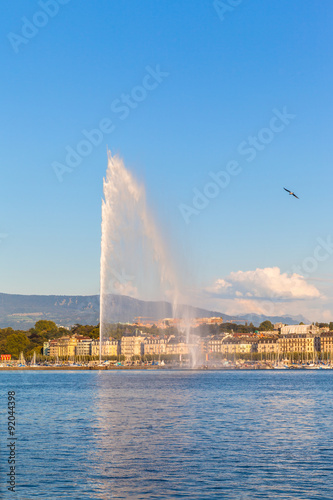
(290, 192)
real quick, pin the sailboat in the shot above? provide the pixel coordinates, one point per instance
(21, 359)
(33, 362)
(279, 365)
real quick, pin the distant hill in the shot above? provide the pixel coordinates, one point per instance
(256, 319)
(22, 311)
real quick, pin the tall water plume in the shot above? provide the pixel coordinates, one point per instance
(133, 256)
(135, 261)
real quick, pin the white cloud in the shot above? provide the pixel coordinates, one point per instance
(269, 292)
(219, 285)
(267, 283)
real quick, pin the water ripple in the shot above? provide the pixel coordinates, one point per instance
(172, 435)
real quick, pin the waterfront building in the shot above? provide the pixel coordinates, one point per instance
(83, 346)
(303, 343)
(177, 347)
(171, 345)
(110, 347)
(132, 345)
(268, 345)
(66, 346)
(153, 346)
(53, 348)
(229, 345)
(247, 346)
(214, 344)
(326, 343)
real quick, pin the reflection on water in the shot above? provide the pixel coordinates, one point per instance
(162, 434)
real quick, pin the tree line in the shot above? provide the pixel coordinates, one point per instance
(16, 341)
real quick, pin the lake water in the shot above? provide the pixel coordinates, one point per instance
(170, 434)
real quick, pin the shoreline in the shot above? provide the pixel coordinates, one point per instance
(112, 368)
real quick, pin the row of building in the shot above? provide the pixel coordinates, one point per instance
(306, 339)
(301, 343)
(301, 339)
(128, 346)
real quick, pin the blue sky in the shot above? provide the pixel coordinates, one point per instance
(224, 74)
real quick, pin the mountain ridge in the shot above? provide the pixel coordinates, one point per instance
(21, 311)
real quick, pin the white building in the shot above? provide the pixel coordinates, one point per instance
(83, 347)
(132, 346)
(299, 330)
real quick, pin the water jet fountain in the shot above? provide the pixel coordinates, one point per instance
(134, 257)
